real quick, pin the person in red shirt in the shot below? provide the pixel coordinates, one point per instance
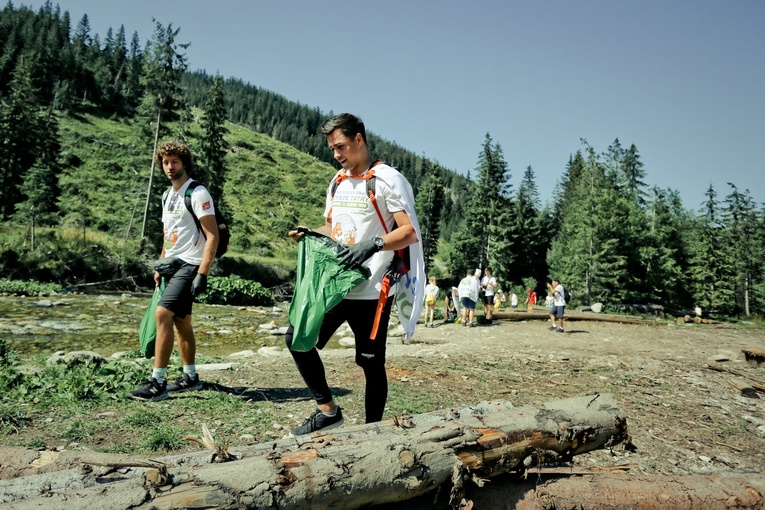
(531, 300)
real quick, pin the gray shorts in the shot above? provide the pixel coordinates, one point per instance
(177, 296)
(557, 311)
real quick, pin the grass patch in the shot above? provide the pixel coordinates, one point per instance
(164, 438)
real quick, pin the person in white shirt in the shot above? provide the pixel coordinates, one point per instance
(559, 305)
(489, 286)
(370, 234)
(185, 260)
(468, 292)
(431, 297)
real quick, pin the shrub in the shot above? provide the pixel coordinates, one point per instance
(233, 290)
(27, 288)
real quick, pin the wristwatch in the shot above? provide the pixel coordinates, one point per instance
(379, 243)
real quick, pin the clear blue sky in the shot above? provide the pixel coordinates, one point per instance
(682, 80)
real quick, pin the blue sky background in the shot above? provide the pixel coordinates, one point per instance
(683, 80)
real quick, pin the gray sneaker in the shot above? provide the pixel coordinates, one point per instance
(185, 383)
(319, 421)
(151, 391)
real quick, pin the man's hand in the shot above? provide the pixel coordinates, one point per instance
(353, 256)
(199, 285)
(298, 232)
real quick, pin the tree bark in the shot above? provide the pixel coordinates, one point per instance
(728, 490)
(390, 461)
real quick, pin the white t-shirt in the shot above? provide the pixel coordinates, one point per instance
(468, 288)
(489, 282)
(182, 238)
(354, 219)
(514, 300)
(559, 301)
(431, 289)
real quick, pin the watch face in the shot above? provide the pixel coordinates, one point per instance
(379, 243)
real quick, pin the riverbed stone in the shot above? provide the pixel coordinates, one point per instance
(347, 341)
(77, 358)
(242, 354)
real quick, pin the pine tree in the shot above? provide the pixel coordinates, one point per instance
(429, 203)
(162, 102)
(163, 67)
(527, 256)
(710, 267)
(746, 253)
(214, 144)
(21, 129)
(470, 244)
(665, 250)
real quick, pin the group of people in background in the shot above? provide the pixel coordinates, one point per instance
(460, 302)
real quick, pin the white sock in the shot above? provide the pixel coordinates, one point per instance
(191, 370)
(330, 413)
(159, 374)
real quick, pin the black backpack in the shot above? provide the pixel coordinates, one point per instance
(223, 231)
(566, 295)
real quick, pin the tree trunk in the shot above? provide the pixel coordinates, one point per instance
(601, 491)
(385, 462)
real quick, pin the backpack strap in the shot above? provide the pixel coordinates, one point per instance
(187, 200)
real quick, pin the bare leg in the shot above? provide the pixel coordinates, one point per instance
(163, 347)
(186, 342)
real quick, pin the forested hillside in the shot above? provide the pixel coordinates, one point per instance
(80, 112)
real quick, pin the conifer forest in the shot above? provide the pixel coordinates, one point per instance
(80, 112)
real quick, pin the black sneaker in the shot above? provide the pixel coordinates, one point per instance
(185, 383)
(151, 391)
(560, 330)
(552, 328)
(318, 421)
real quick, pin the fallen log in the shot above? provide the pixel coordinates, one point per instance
(383, 462)
(726, 490)
(757, 384)
(522, 316)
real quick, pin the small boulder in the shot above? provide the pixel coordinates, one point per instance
(77, 358)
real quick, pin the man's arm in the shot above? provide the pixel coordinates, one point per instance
(210, 229)
(403, 235)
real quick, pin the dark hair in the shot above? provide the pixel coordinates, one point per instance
(173, 148)
(348, 123)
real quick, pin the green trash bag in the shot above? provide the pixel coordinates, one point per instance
(320, 284)
(147, 333)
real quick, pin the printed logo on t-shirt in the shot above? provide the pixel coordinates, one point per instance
(206, 206)
(171, 237)
(344, 230)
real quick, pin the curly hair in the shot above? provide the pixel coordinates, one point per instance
(173, 148)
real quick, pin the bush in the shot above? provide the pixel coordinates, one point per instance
(27, 288)
(233, 290)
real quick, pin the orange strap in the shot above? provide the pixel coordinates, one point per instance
(384, 290)
(387, 280)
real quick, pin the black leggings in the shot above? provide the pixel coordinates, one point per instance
(370, 354)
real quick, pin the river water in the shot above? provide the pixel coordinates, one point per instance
(108, 323)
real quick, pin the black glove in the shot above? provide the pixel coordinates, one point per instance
(199, 285)
(353, 255)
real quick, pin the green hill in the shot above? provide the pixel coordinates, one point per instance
(270, 187)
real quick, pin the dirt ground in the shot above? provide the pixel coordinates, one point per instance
(683, 416)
